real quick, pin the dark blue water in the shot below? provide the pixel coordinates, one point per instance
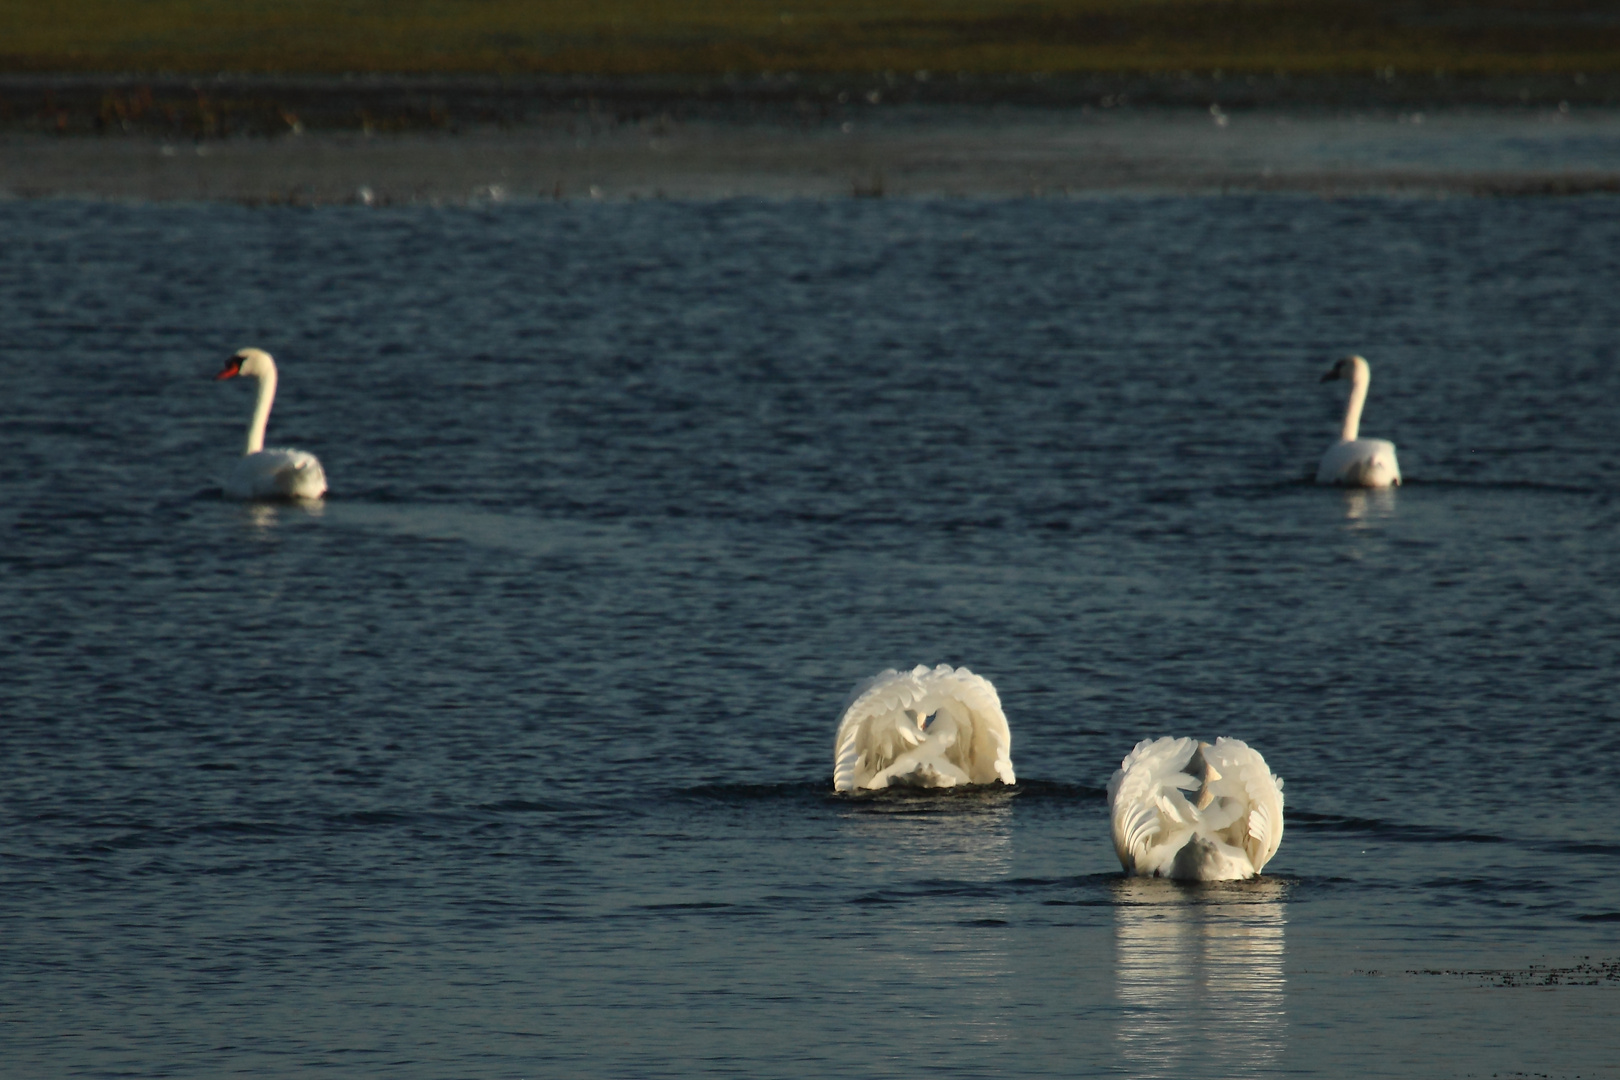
(513, 758)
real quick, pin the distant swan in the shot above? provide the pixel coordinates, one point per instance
(1352, 461)
(273, 473)
(886, 737)
(1225, 829)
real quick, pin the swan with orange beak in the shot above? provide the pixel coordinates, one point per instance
(279, 472)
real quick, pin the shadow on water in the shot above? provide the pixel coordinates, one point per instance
(899, 799)
(1199, 971)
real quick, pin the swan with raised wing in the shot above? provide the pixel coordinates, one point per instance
(1354, 461)
(1187, 810)
(277, 473)
(927, 727)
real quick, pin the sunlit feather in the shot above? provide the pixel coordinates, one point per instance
(927, 727)
(1228, 830)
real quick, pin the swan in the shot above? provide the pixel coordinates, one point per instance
(1225, 829)
(885, 736)
(277, 472)
(1352, 461)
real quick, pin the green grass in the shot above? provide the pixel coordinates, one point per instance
(708, 37)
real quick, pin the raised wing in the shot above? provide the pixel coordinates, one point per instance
(1144, 797)
(1245, 776)
(1222, 800)
(930, 727)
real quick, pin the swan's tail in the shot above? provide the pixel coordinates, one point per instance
(1192, 811)
(301, 478)
(886, 735)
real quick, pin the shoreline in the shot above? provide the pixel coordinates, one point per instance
(905, 151)
(222, 106)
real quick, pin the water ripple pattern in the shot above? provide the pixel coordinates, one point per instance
(512, 757)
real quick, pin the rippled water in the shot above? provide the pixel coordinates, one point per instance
(513, 757)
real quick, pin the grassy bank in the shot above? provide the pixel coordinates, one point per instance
(712, 37)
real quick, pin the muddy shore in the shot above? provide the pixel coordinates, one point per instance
(437, 140)
(226, 105)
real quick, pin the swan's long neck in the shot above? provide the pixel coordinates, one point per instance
(261, 413)
(1358, 398)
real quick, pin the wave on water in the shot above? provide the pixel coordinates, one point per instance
(526, 806)
(1100, 890)
(1095, 890)
(1387, 830)
(242, 828)
(1505, 485)
(793, 790)
(368, 818)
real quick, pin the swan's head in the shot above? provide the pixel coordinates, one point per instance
(1346, 368)
(255, 362)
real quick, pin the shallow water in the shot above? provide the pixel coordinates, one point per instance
(512, 757)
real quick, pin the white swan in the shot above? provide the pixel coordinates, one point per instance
(277, 472)
(1226, 831)
(885, 736)
(1352, 461)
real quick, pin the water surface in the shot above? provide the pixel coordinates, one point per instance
(512, 758)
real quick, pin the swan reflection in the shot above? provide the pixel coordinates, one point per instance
(935, 920)
(264, 516)
(1200, 977)
(1364, 505)
(961, 835)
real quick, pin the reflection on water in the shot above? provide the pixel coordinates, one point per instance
(264, 516)
(1363, 505)
(960, 836)
(1200, 971)
(936, 858)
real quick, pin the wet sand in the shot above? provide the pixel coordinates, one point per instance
(907, 150)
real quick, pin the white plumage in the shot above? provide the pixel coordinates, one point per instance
(886, 736)
(1354, 461)
(1227, 828)
(277, 473)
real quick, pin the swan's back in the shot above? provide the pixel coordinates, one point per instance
(1360, 463)
(1191, 811)
(277, 473)
(883, 740)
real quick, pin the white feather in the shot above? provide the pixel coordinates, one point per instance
(277, 473)
(1159, 832)
(886, 736)
(1360, 463)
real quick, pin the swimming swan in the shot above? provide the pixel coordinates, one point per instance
(886, 737)
(1225, 828)
(277, 472)
(1352, 461)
